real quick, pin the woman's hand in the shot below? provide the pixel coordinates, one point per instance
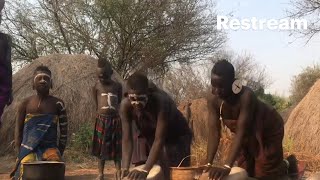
(136, 174)
(217, 173)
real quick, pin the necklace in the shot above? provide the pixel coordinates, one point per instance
(40, 100)
(223, 126)
(220, 112)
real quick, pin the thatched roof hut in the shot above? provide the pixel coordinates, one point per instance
(73, 78)
(303, 125)
(196, 112)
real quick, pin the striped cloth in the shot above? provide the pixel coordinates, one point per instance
(107, 138)
(39, 129)
(39, 134)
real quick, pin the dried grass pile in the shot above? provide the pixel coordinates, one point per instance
(196, 112)
(303, 128)
(73, 79)
(303, 125)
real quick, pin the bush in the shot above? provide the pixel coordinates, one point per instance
(82, 139)
(301, 84)
(288, 145)
(278, 102)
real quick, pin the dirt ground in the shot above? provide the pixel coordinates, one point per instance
(83, 171)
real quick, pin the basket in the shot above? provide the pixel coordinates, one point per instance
(185, 173)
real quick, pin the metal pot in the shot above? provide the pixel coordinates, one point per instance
(43, 170)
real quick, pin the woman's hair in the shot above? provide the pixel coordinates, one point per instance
(223, 68)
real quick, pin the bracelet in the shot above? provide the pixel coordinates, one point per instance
(227, 166)
(208, 165)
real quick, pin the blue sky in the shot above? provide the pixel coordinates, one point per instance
(270, 48)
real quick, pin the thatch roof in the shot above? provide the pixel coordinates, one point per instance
(73, 78)
(303, 125)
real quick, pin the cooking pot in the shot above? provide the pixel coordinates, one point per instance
(43, 170)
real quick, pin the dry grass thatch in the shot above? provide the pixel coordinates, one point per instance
(303, 125)
(73, 78)
(196, 112)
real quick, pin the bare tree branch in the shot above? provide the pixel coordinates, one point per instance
(310, 11)
(133, 35)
